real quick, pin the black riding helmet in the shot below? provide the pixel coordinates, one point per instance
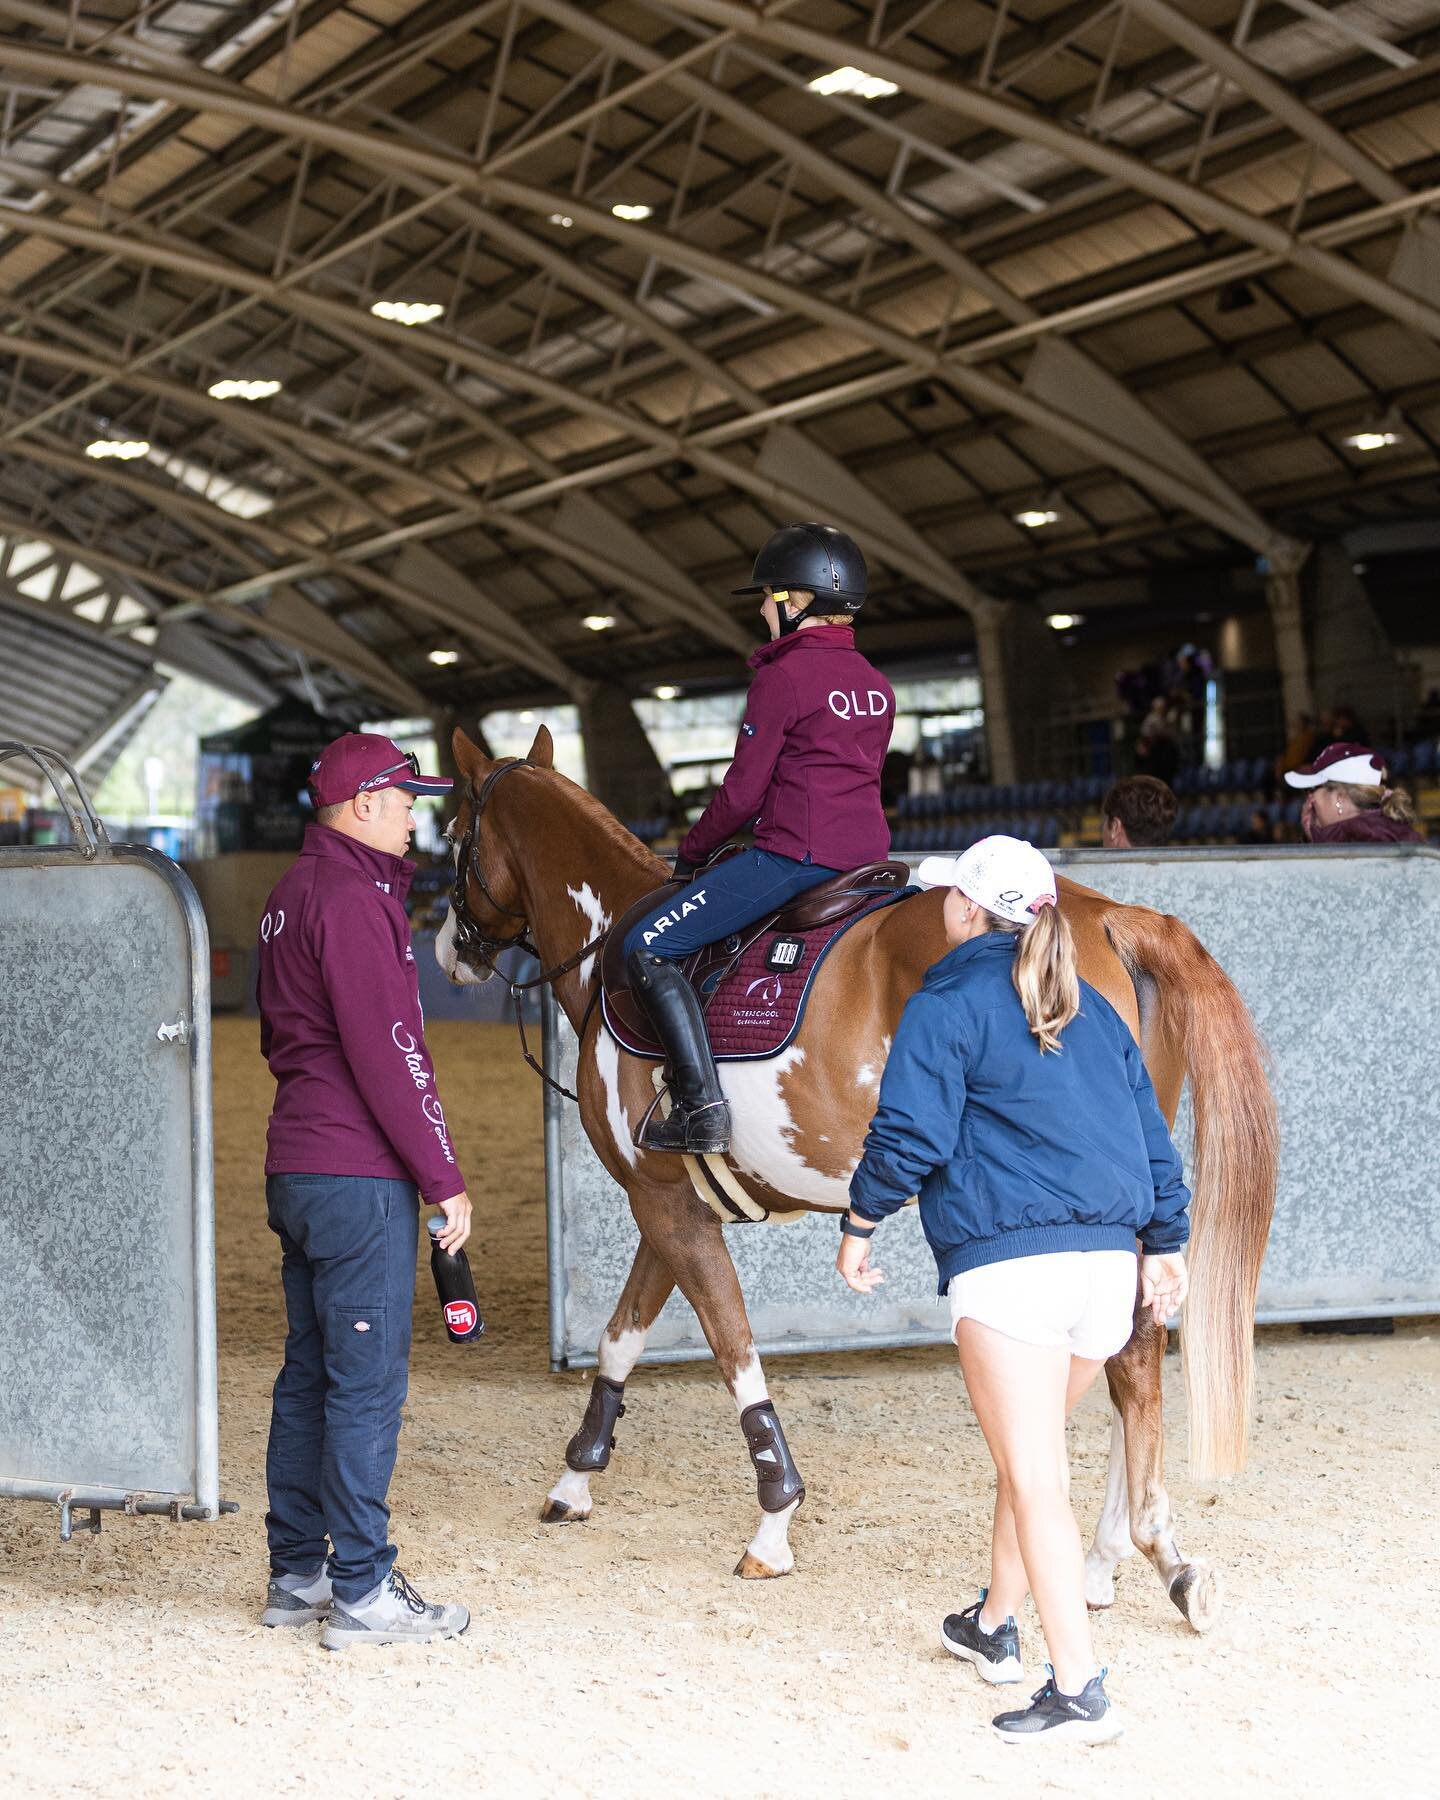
(820, 559)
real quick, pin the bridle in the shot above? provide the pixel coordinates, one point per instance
(473, 945)
(477, 947)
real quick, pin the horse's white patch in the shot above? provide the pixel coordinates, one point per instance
(869, 1073)
(607, 1066)
(573, 1490)
(1112, 1542)
(596, 918)
(771, 1543)
(455, 970)
(749, 1383)
(618, 1356)
(763, 1133)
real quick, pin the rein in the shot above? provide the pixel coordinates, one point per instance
(475, 946)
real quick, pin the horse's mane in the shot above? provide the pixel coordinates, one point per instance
(601, 817)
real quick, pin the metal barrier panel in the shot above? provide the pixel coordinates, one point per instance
(107, 1307)
(1333, 951)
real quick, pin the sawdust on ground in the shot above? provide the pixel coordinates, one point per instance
(620, 1657)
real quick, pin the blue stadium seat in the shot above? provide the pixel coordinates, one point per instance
(1424, 758)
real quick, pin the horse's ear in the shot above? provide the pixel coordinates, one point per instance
(468, 757)
(542, 751)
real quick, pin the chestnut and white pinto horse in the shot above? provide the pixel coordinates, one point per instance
(538, 859)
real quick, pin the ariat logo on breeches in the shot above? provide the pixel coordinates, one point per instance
(692, 904)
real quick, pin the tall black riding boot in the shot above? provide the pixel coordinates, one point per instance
(699, 1121)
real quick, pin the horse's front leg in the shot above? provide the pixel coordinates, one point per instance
(1112, 1542)
(646, 1290)
(1134, 1378)
(689, 1237)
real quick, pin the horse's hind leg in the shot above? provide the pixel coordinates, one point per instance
(688, 1236)
(1112, 1542)
(1134, 1378)
(646, 1290)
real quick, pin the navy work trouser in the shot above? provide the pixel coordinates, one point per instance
(735, 892)
(348, 1267)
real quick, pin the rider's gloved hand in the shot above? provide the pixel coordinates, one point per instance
(683, 869)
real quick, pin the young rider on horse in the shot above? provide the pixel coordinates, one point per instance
(807, 775)
(1016, 1105)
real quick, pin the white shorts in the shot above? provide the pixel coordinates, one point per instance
(1082, 1301)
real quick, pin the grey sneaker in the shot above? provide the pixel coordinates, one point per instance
(393, 1614)
(297, 1599)
(995, 1654)
(1083, 1718)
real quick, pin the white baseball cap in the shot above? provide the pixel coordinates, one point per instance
(1007, 876)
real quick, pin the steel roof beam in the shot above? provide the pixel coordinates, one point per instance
(390, 686)
(1232, 65)
(1027, 126)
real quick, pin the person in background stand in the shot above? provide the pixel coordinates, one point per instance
(1139, 813)
(1349, 801)
(356, 1133)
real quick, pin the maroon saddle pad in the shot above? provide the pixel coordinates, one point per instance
(755, 1000)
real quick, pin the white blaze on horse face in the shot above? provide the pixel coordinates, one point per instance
(455, 970)
(763, 1133)
(596, 918)
(607, 1067)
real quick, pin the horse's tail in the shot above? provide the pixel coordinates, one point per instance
(1237, 1144)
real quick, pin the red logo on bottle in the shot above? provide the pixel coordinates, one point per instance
(460, 1315)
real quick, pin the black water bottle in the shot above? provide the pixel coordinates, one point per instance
(455, 1285)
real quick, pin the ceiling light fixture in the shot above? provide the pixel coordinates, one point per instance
(666, 693)
(242, 390)
(1375, 437)
(1033, 517)
(597, 621)
(407, 312)
(442, 659)
(1064, 621)
(634, 210)
(563, 219)
(853, 81)
(123, 449)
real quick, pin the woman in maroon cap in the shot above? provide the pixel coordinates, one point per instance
(1349, 801)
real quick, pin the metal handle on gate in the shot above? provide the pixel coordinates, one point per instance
(91, 838)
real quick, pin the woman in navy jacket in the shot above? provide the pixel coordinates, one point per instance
(806, 775)
(1016, 1105)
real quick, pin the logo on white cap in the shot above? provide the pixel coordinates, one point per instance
(1005, 875)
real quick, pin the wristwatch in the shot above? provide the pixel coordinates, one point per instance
(849, 1230)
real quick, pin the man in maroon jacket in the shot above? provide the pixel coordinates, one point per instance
(356, 1132)
(806, 775)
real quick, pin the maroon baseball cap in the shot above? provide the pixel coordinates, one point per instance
(362, 762)
(1353, 764)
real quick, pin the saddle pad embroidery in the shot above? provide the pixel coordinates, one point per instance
(754, 1010)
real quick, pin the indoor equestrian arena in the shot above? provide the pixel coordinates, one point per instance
(719, 865)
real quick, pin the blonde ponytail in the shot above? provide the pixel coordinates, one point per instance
(1393, 803)
(1045, 975)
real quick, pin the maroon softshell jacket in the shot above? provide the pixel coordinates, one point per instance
(341, 1027)
(807, 761)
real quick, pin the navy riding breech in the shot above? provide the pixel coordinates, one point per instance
(736, 892)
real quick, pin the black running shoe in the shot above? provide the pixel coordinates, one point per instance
(1083, 1718)
(995, 1654)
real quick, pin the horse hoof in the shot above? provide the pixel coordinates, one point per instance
(750, 1568)
(1196, 1591)
(557, 1512)
(1099, 1589)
